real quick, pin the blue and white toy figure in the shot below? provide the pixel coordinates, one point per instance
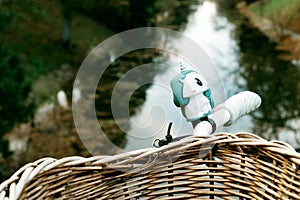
(192, 94)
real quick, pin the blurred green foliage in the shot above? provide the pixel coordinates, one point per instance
(118, 15)
(14, 90)
(271, 8)
(31, 40)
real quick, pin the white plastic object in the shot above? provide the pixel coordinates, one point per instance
(204, 128)
(232, 109)
(62, 99)
(240, 104)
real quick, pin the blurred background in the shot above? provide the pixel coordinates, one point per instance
(255, 45)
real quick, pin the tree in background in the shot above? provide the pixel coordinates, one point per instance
(274, 79)
(14, 90)
(118, 15)
(67, 14)
(142, 14)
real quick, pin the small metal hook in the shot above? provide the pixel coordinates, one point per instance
(159, 143)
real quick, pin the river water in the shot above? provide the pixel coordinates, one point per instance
(226, 77)
(252, 63)
(238, 62)
(213, 33)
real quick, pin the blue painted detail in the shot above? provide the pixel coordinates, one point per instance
(207, 93)
(177, 87)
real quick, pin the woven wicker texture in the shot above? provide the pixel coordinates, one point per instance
(220, 166)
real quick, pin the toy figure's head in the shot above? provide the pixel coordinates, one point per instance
(187, 84)
(193, 84)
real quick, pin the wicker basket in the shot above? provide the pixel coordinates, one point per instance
(220, 166)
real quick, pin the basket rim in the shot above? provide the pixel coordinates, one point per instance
(12, 187)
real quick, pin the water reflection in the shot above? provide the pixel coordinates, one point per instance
(122, 80)
(277, 81)
(212, 32)
(250, 64)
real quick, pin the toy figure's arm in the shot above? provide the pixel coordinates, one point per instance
(207, 93)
